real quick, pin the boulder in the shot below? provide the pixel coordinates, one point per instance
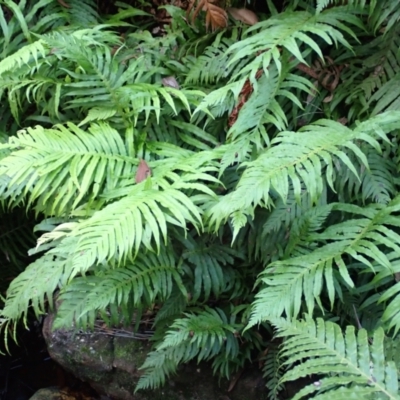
(110, 364)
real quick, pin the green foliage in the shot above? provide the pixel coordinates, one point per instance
(202, 336)
(349, 362)
(272, 191)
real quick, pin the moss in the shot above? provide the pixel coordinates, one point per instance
(130, 354)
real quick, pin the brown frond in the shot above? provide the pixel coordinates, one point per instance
(216, 17)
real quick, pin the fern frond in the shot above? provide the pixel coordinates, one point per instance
(377, 181)
(34, 286)
(391, 296)
(267, 38)
(273, 371)
(82, 12)
(321, 4)
(172, 307)
(60, 167)
(28, 53)
(314, 150)
(288, 282)
(344, 365)
(263, 107)
(211, 66)
(200, 336)
(308, 223)
(388, 96)
(208, 264)
(150, 277)
(121, 227)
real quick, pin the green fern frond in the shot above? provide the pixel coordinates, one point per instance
(146, 97)
(384, 13)
(93, 78)
(200, 336)
(375, 183)
(268, 37)
(223, 97)
(288, 282)
(25, 55)
(211, 66)
(208, 263)
(262, 106)
(391, 315)
(344, 365)
(82, 12)
(60, 167)
(162, 364)
(121, 227)
(313, 149)
(388, 96)
(172, 307)
(151, 277)
(273, 371)
(309, 222)
(362, 4)
(34, 286)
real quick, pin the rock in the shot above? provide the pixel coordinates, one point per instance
(47, 394)
(51, 393)
(110, 364)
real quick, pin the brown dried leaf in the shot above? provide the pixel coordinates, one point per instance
(143, 171)
(201, 4)
(328, 99)
(216, 17)
(63, 3)
(244, 15)
(170, 81)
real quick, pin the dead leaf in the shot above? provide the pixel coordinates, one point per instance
(244, 15)
(216, 17)
(328, 99)
(63, 3)
(170, 81)
(143, 171)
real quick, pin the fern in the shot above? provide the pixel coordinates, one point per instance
(272, 372)
(317, 145)
(149, 278)
(282, 35)
(287, 281)
(199, 336)
(343, 365)
(47, 159)
(270, 191)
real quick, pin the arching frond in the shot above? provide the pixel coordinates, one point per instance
(27, 53)
(313, 149)
(60, 167)
(288, 282)
(138, 218)
(344, 365)
(200, 336)
(264, 41)
(208, 265)
(149, 278)
(34, 286)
